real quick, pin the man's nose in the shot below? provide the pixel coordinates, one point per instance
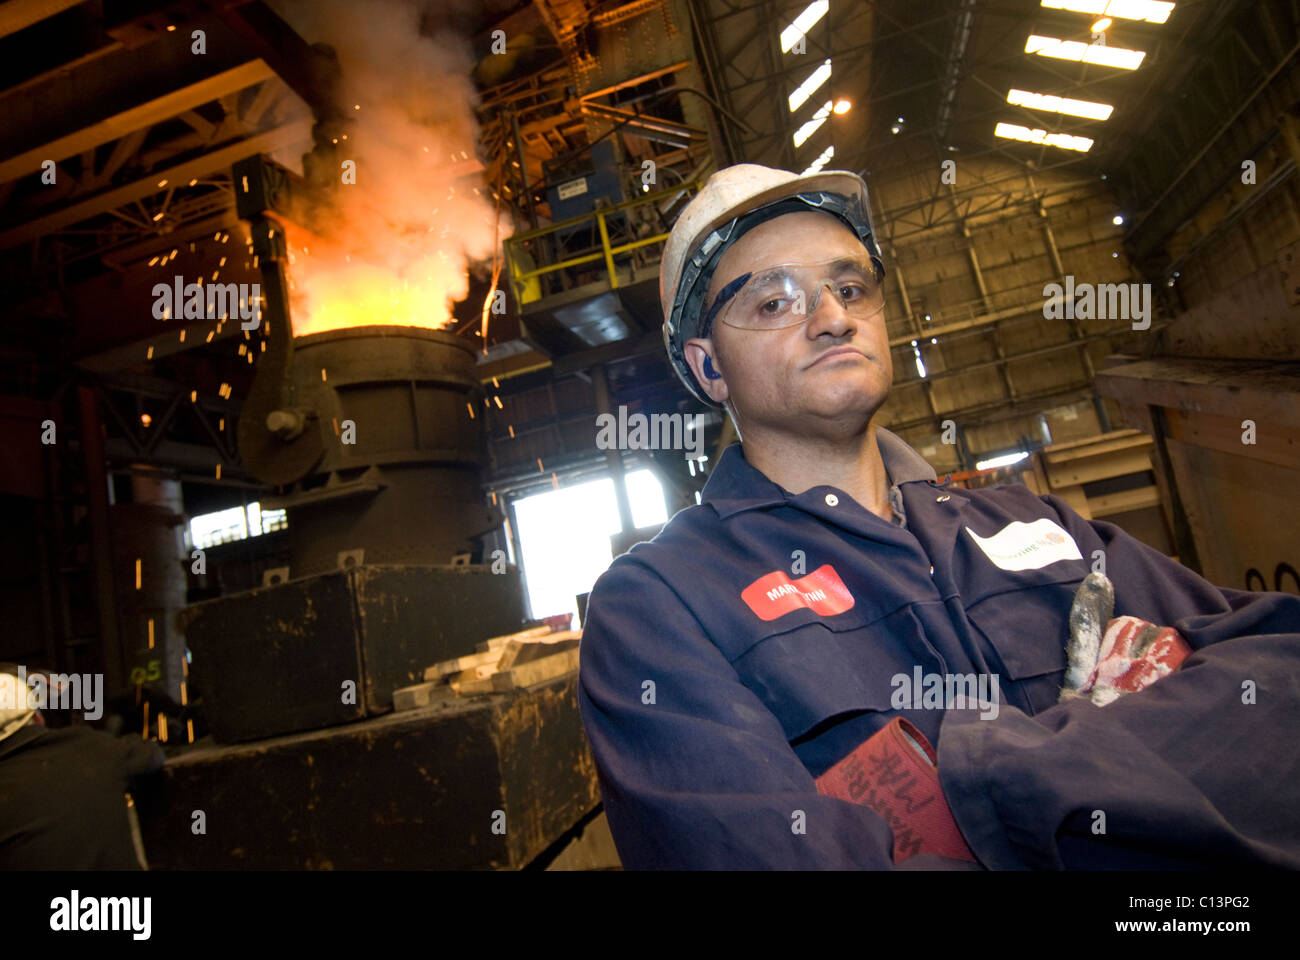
(829, 316)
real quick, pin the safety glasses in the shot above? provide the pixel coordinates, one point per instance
(786, 294)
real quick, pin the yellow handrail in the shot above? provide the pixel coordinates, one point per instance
(526, 292)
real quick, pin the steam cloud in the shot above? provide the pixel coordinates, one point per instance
(399, 249)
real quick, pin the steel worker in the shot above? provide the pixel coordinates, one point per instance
(740, 674)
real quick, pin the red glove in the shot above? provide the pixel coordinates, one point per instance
(894, 773)
(1134, 654)
(1128, 656)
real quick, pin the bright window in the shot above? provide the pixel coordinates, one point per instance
(236, 523)
(564, 536)
(802, 23)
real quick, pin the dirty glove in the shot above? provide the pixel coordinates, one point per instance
(893, 772)
(1109, 657)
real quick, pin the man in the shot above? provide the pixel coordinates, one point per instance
(63, 791)
(750, 678)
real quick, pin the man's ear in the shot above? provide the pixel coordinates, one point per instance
(697, 351)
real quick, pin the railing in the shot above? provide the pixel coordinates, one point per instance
(526, 281)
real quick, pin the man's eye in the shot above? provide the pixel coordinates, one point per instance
(771, 306)
(852, 291)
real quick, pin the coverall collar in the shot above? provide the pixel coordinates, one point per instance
(735, 486)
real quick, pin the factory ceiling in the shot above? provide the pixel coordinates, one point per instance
(929, 80)
(117, 141)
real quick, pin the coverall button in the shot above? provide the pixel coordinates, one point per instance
(943, 498)
(932, 569)
(832, 500)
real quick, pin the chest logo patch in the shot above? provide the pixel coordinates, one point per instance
(775, 594)
(1027, 546)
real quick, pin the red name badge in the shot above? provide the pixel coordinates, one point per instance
(775, 594)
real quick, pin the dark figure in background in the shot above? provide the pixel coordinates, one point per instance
(63, 791)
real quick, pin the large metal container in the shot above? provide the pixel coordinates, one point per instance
(330, 649)
(399, 478)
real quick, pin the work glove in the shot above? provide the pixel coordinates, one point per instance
(894, 773)
(1107, 656)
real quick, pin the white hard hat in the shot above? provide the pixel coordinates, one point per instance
(733, 200)
(14, 711)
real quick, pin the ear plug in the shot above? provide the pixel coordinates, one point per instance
(709, 371)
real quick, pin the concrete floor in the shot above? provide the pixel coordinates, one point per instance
(593, 849)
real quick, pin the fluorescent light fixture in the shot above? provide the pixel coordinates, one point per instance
(1077, 50)
(821, 161)
(809, 86)
(843, 106)
(809, 128)
(1074, 108)
(1065, 141)
(803, 23)
(1003, 461)
(1152, 11)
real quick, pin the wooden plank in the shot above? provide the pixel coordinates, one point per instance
(1095, 448)
(473, 673)
(1261, 390)
(1243, 513)
(1074, 496)
(535, 648)
(521, 676)
(538, 671)
(459, 664)
(1100, 438)
(1274, 443)
(1108, 465)
(469, 688)
(1124, 501)
(495, 643)
(421, 695)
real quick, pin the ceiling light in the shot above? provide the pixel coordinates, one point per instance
(1076, 50)
(1005, 460)
(809, 86)
(811, 14)
(1045, 101)
(809, 128)
(1100, 26)
(1118, 220)
(843, 106)
(1065, 141)
(895, 128)
(1152, 11)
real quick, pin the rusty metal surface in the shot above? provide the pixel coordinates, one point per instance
(399, 476)
(410, 617)
(416, 790)
(274, 660)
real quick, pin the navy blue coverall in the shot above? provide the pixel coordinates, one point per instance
(712, 699)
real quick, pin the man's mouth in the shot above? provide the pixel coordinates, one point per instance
(839, 352)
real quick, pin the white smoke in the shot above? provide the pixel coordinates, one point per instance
(400, 247)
